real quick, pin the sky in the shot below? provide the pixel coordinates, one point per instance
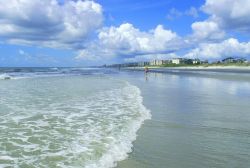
(55, 33)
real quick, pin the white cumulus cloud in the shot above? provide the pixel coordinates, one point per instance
(227, 48)
(175, 13)
(48, 23)
(127, 40)
(229, 14)
(207, 30)
(126, 37)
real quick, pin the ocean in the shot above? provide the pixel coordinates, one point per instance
(67, 117)
(102, 118)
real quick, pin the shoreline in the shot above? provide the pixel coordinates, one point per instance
(196, 67)
(220, 69)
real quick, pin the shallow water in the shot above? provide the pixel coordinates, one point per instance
(197, 121)
(73, 117)
(68, 121)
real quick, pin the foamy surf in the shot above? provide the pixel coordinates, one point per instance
(92, 124)
(123, 145)
(5, 77)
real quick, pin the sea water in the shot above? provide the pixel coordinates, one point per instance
(200, 119)
(74, 117)
(67, 117)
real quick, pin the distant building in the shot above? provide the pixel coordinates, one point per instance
(185, 61)
(166, 62)
(196, 61)
(132, 64)
(241, 60)
(204, 62)
(176, 60)
(157, 62)
(188, 61)
(229, 60)
(142, 64)
(233, 60)
(152, 63)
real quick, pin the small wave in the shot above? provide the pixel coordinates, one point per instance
(54, 69)
(12, 76)
(123, 145)
(5, 77)
(22, 73)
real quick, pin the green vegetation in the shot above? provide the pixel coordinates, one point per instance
(230, 64)
(180, 65)
(205, 65)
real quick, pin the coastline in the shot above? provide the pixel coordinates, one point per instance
(195, 67)
(192, 70)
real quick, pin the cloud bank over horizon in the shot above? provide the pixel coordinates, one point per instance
(126, 40)
(79, 26)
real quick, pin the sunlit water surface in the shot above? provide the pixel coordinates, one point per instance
(200, 119)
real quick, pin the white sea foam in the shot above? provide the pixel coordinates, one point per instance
(5, 76)
(94, 131)
(123, 144)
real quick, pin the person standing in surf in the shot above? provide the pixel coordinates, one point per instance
(146, 70)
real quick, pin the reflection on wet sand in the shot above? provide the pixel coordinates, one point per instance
(199, 119)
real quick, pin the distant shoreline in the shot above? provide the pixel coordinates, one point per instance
(192, 70)
(195, 67)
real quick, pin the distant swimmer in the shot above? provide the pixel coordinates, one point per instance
(146, 70)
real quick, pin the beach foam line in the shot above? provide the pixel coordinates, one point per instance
(123, 145)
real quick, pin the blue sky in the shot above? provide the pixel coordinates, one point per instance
(81, 33)
(146, 14)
